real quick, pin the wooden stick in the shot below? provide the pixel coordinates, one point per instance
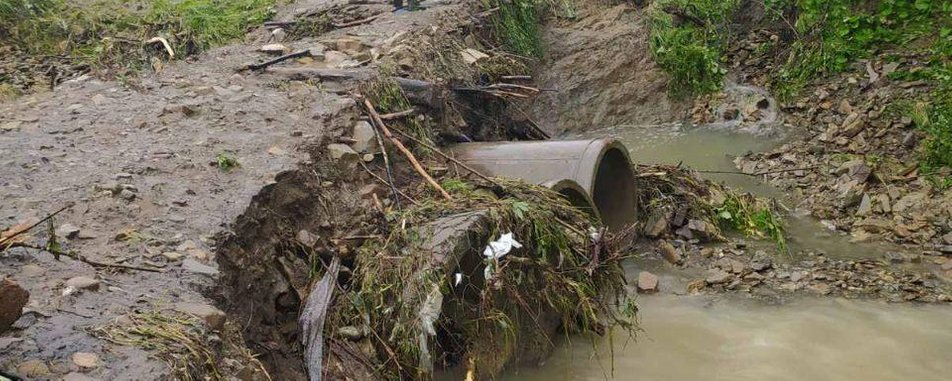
(397, 115)
(413, 161)
(356, 22)
(448, 157)
(513, 86)
(759, 173)
(83, 259)
(516, 77)
(386, 164)
(21, 231)
(285, 57)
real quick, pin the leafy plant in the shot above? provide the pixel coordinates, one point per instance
(226, 162)
(690, 52)
(751, 217)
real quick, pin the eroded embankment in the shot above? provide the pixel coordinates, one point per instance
(403, 298)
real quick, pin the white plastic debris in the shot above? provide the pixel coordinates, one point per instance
(594, 234)
(457, 279)
(69, 290)
(500, 247)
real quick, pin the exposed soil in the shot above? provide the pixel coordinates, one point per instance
(600, 73)
(139, 161)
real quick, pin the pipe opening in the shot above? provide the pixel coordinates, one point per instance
(614, 190)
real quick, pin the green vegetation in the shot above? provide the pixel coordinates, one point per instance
(403, 297)
(834, 33)
(387, 97)
(690, 48)
(751, 216)
(226, 162)
(515, 24)
(111, 33)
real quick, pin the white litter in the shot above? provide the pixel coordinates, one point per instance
(457, 279)
(500, 247)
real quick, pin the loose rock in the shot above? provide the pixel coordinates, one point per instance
(83, 283)
(12, 299)
(86, 359)
(213, 317)
(647, 282)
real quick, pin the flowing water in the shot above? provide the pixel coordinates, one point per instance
(729, 337)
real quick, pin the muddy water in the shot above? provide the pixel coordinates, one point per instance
(730, 337)
(699, 338)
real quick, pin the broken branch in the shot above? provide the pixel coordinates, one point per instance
(83, 259)
(406, 152)
(10, 237)
(285, 57)
(448, 157)
(356, 22)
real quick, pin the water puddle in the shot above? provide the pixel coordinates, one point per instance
(725, 338)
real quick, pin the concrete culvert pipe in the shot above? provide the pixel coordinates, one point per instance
(588, 172)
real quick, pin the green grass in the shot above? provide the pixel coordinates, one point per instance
(691, 54)
(835, 33)
(515, 25)
(110, 33)
(752, 217)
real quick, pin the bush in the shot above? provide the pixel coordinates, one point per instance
(689, 52)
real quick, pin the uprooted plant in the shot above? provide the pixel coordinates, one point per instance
(668, 191)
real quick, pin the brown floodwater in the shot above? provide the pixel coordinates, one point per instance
(729, 338)
(732, 337)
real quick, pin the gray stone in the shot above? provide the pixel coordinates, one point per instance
(718, 276)
(83, 283)
(276, 49)
(797, 276)
(647, 282)
(173, 256)
(364, 137)
(865, 206)
(33, 369)
(213, 317)
(127, 195)
(68, 231)
(305, 237)
(342, 152)
(197, 267)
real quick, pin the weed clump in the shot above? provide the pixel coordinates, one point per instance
(688, 43)
(834, 33)
(226, 162)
